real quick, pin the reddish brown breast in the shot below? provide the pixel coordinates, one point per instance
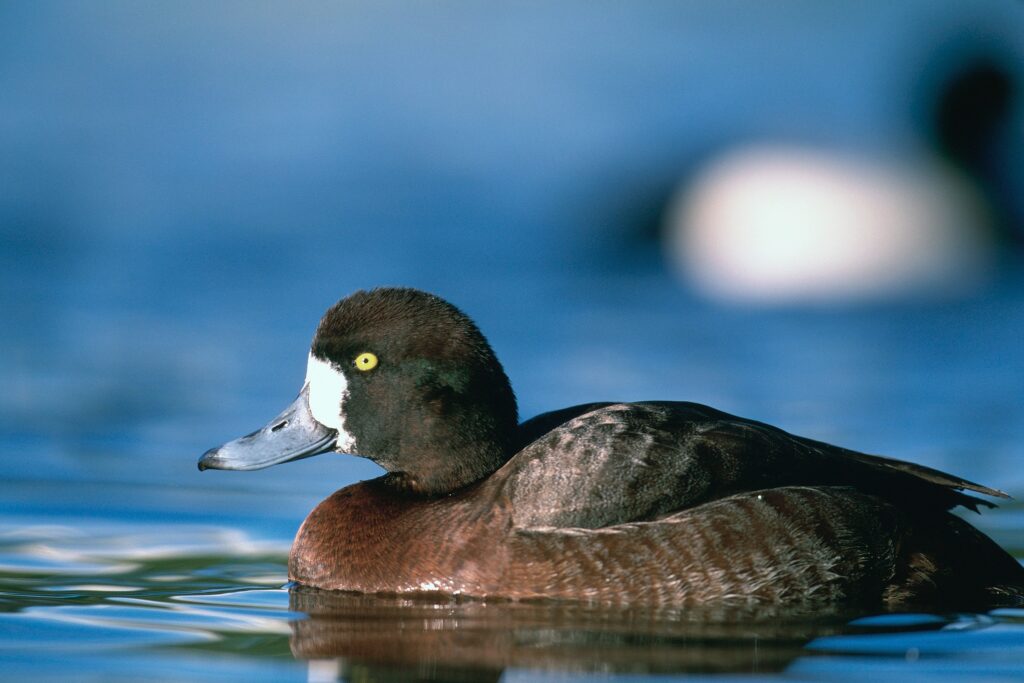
(367, 538)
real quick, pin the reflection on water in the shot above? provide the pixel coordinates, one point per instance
(89, 563)
(391, 633)
(357, 637)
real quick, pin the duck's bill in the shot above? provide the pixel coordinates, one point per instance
(292, 435)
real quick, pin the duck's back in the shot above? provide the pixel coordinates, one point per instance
(676, 502)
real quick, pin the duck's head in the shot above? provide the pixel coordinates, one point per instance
(398, 376)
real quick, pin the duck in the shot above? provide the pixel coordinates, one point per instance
(774, 221)
(653, 503)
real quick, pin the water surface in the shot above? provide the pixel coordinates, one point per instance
(119, 559)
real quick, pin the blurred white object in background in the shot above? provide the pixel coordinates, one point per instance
(789, 224)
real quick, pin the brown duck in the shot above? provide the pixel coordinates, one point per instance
(654, 503)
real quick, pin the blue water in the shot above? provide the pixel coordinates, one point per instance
(184, 189)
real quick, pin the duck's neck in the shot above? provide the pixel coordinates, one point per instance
(447, 448)
(446, 466)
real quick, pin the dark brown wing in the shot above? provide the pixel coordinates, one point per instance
(790, 545)
(607, 464)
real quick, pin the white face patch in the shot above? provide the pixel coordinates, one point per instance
(328, 389)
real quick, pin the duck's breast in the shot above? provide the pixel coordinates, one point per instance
(368, 538)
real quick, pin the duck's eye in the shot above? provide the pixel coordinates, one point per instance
(366, 361)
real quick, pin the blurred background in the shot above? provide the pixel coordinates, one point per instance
(808, 214)
(756, 206)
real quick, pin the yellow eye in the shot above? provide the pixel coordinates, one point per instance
(366, 361)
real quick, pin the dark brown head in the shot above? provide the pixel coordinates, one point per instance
(403, 378)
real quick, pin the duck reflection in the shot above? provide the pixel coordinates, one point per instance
(355, 636)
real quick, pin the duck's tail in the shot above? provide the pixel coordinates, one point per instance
(948, 562)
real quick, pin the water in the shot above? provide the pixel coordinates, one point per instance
(184, 190)
(119, 560)
(207, 605)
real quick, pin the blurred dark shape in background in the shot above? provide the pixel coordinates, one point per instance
(970, 116)
(972, 126)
